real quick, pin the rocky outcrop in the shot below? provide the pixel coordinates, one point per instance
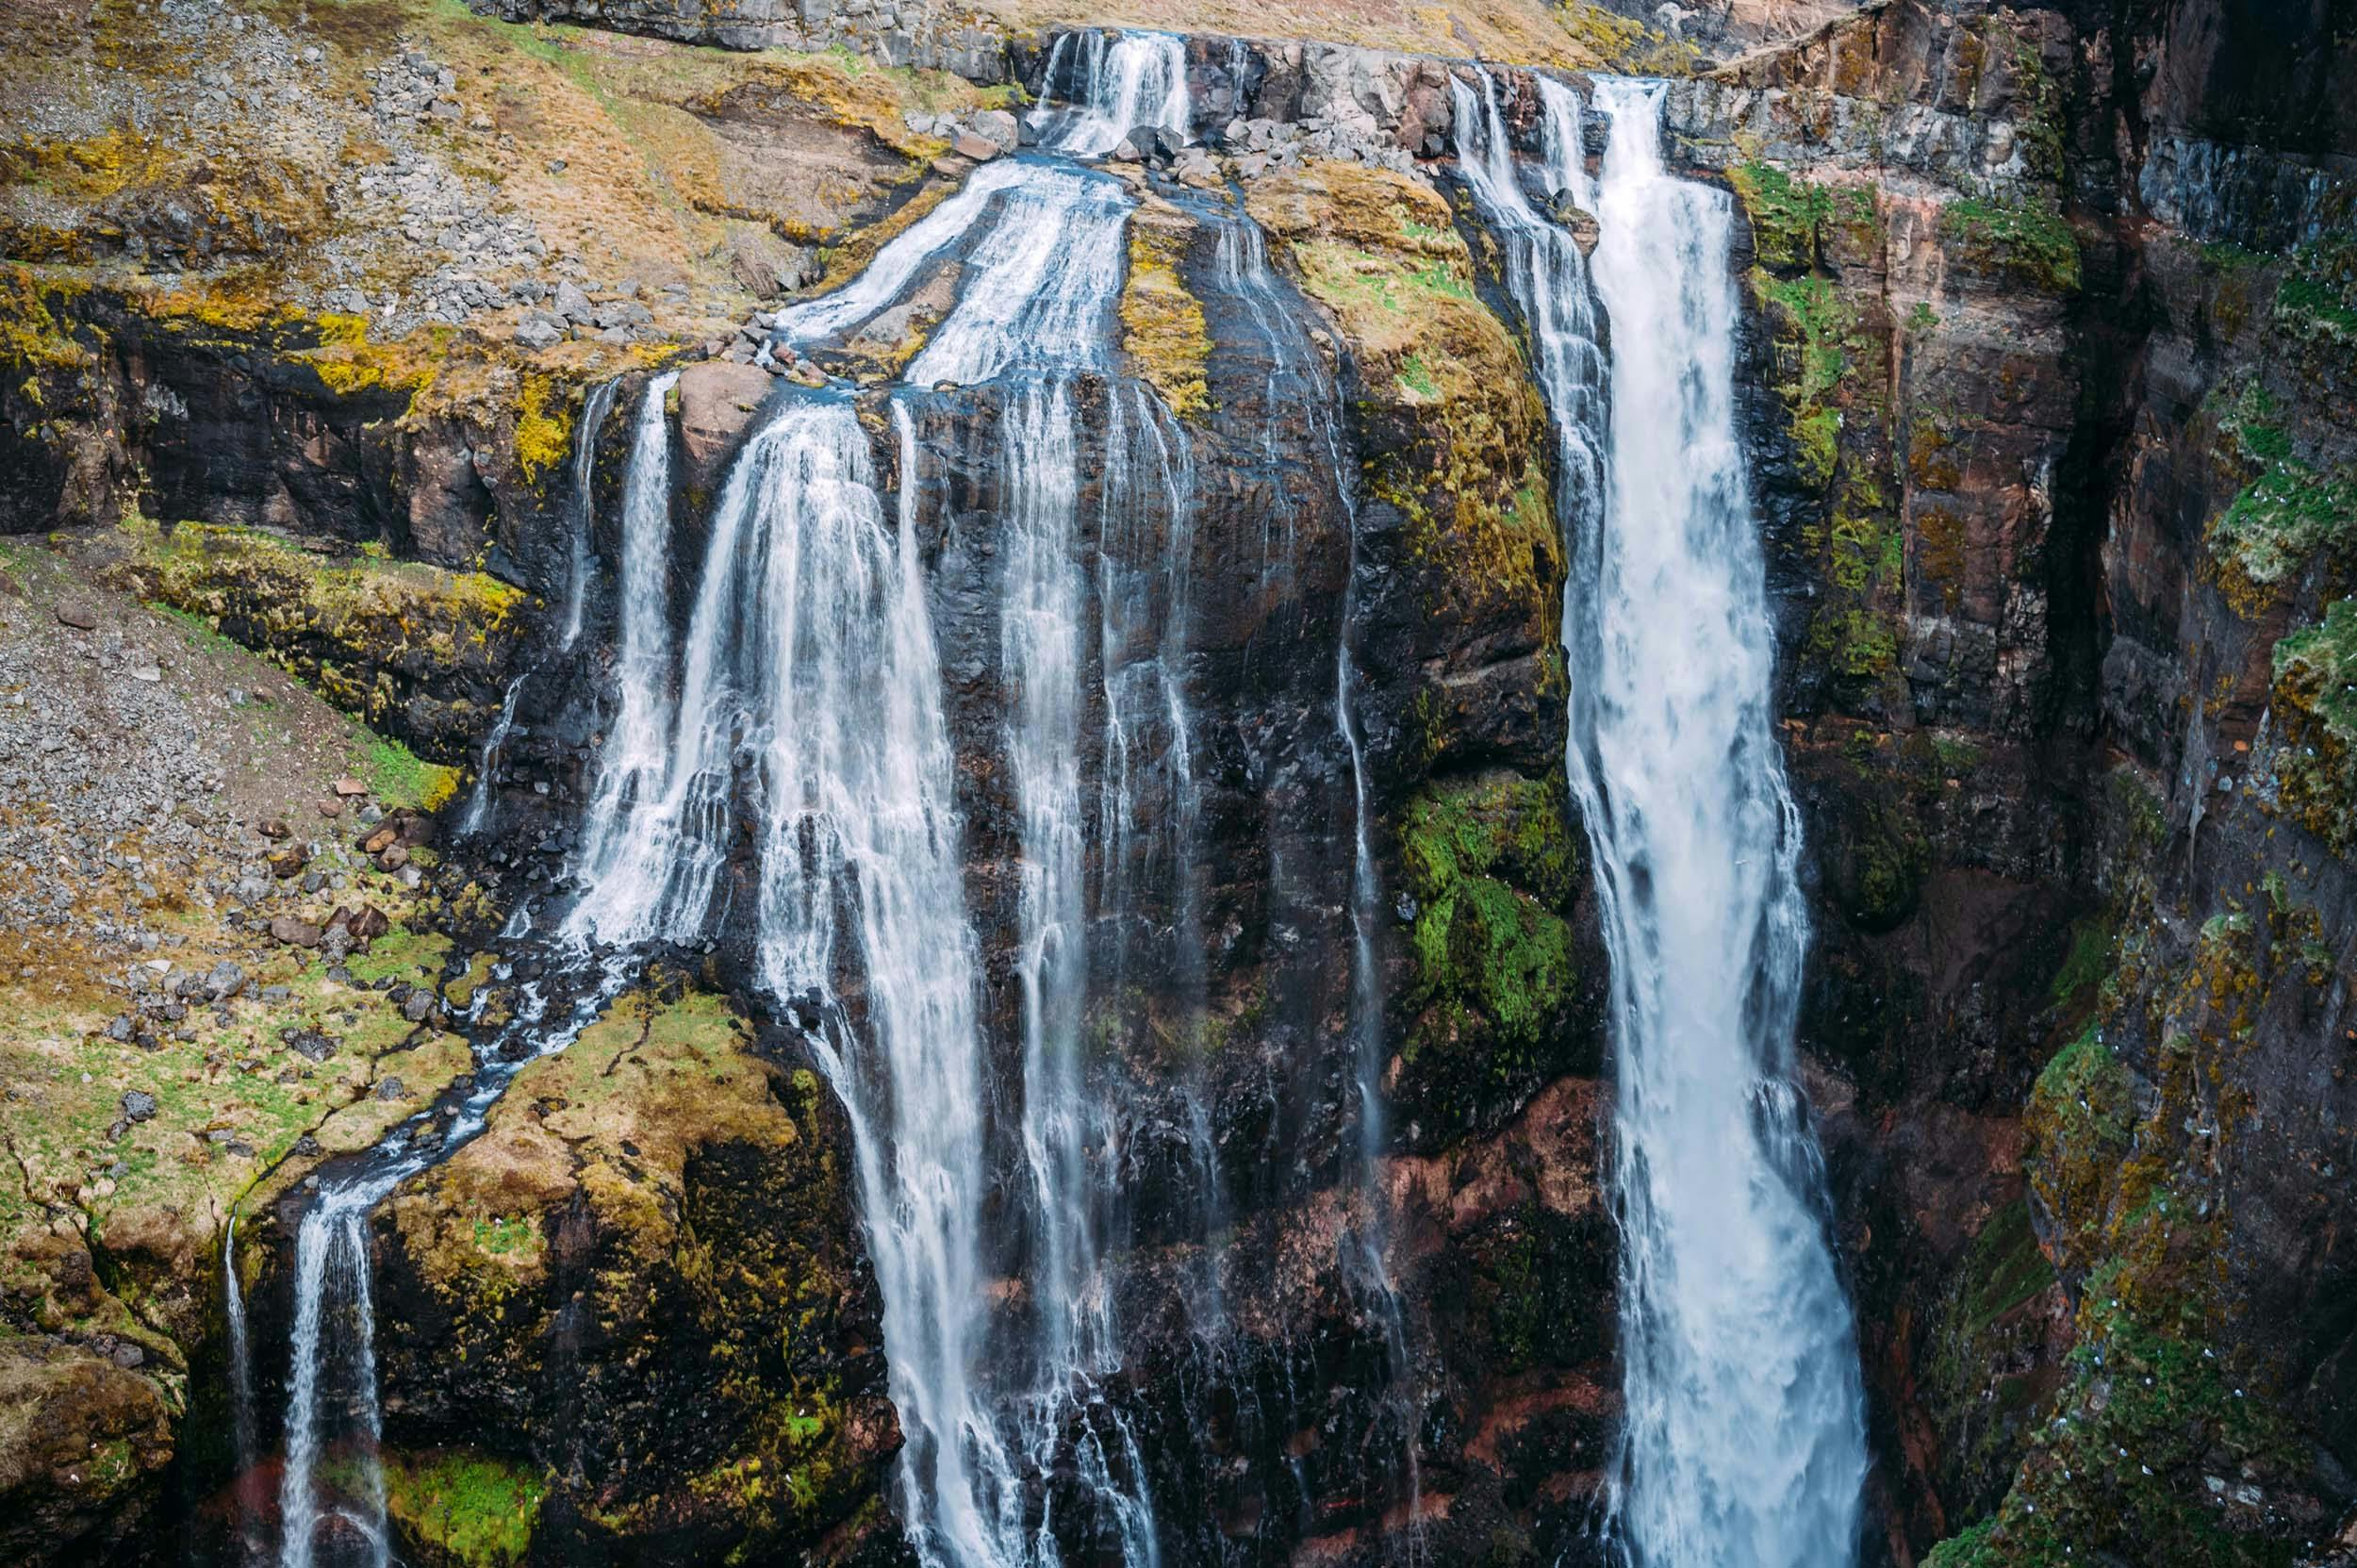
(637, 1303)
(2021, 310)
(968, 42)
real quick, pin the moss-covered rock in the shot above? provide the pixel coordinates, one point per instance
(2019, 242)
(80, 1439)
(656, 1221)
(459, 1508)
(2316, 691)
(1500, 999)
(400, 644)
(1162, 324)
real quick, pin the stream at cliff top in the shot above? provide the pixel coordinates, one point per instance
(1742, 1439)
(802, 721)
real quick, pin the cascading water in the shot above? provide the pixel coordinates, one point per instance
(801, 714)
(240, 1352)
(594, 406)
(1744, 1429)
(630, 765)
(1125, 80)
(332, 1275)
(1743, 1439)
(486, 771)
(331, 1406)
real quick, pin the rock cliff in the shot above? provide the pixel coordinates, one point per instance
(2048, 382)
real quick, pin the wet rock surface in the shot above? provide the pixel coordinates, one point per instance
(2046, 389)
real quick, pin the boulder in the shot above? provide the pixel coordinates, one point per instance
(1000, 127)
(294, 931)
(717, 404)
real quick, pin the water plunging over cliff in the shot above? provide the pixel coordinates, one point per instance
(1743, 1441)
(1123, 80)
(332, 1406)
(1743, 1436)
(783, 766)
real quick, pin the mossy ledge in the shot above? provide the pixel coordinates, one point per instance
(404, 646)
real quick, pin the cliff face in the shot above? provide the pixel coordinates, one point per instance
(2049, 411)
(2049, 308)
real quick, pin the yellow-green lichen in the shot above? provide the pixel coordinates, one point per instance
(544, 425)
(1161, 323)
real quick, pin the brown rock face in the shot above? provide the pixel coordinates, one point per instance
(2034, 506)
(716, 402)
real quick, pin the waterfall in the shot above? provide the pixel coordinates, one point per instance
(1125, 79)
(582, 498)
(240, 1352)
(860, 848)
(634, 752)
(245, 1444)
(332, 1275)
(1744, 1429)
(331, 1406)
(1035, 314)
(494, 747)
(781, 759)
(1743, 1439)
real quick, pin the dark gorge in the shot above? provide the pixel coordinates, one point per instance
(890, 785)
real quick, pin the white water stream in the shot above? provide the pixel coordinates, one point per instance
(1742, 1442)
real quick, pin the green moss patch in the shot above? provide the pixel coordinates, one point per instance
(1792, 217)
(1492, 867)
(368, 635)
(2316, 695)
(2079, 1116)
(1819, 344)
(2318, 299)
(459, 1508)
(2022, 243)
(2287, 521)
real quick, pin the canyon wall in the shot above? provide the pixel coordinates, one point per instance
(2049, 412)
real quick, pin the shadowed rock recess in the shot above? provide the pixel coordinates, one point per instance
(987, 785)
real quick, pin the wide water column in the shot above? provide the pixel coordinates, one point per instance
(1743, 1440)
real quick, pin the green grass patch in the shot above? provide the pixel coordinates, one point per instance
(2320, 662)
(2318, 299)
(400, 777)
(2289, 518)
(1415, 379)
(200, 633)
